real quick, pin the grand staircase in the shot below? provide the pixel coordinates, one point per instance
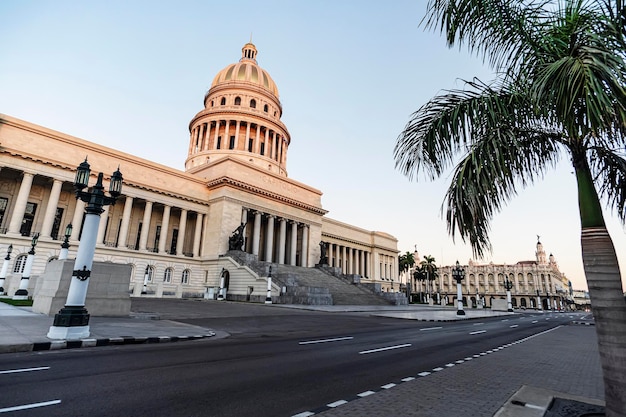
(311, 286)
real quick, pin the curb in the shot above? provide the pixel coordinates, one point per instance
(584, 323)
(111, 341)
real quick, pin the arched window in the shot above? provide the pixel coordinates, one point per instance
(167, 275)
(253, 103)
(223, 101)
(237, 101)
(212, 103)
(265, 108)
(149, 273)
(20, 263)
(185, 277)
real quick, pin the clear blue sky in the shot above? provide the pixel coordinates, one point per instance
(132, 74)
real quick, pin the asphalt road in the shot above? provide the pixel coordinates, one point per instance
(277, 363)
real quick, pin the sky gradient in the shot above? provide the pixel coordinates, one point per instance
(131, 75)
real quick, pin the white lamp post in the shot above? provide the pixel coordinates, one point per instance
(458, 274)
(220, 291)
(508, 285)
(22, 292)
(72, 321)
(65, 246)
(5, 268)
(268, 298)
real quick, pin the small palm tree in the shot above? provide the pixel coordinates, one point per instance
(560, 90)
(428, 264)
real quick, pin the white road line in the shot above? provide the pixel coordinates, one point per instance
(29, 406)
(505, 320)
(478, 324)
(336, 339)
(423, 374)
(337, 403)
(449, 365)
(431, 328)
(478, 332)
(534, 321)
(391, 385)
(407, 379)
(304, 414)
(385, 348)
(459, 361)
(438, 369)
(366, 394)
(15, 371)
(513, 326)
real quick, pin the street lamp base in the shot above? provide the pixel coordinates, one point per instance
(510, 310)
(71, 316)
(460, 312)
(68, 333)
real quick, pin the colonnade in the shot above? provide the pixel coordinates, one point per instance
(260, 140)
(351, 260)
(275, 239)
(117, 236)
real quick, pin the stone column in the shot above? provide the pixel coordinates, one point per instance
(227, 135)
(294, 243)
(77, 219)
(257, 140)
(256, 233)
(51, 209)
(344, 265)
(282, 240)
(20, 203)
(269, 238)
(362, 262)
(237, 126)
(102, 225)
(165, 224)
(244, 220)
(128, 208)
(181, 232)
(248, 137)
(197, 234)
(145, 229)
(329, 253)
(304, 256)
(337, 256)
(217, 129)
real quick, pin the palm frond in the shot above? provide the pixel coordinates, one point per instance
(609, 170)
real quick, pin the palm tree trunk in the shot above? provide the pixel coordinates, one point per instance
(605, 290)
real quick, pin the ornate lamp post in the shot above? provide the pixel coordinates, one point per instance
(5, 268)
(220, 291)
(508, 285)
(65, 246)
(72, 321)
(539, 307)
(22, 292)
(268, 297)
(458, 274)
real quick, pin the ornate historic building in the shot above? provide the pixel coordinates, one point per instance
(173, 226)
(537, 282)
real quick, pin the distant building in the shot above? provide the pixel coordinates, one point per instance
(173, 226)
(537, 282)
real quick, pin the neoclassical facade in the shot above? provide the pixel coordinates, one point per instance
(173, 226)
(536, 284)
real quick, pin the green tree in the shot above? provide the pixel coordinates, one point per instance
(430, 270)
(560, 90)
(405, 262)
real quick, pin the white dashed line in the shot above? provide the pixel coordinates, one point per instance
(29, 406)
(478, 324)
(513, 326)
(478, 332)
(337, 403)
(407, 379)
(385, 348)
(304, 414)
(15, 371)
(438, 369)
(336, 339)
(459, 361)
(365, 394)
(388, 386)
(534, 321)
(431, 328)
(423, 374)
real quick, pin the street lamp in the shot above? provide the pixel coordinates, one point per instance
(508, 285)
(72, 321)
(65, 246)
(22, 292)
(220, 291)
(458, 274)
(5, 268)
(539, 307)
(268, 297)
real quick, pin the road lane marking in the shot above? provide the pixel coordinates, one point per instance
(385, 348)
(431, 328)
(423, 374)
(438, 369)
(478, 324)
(459, 361)
(336, 339)
(337, 403)
(513, 326)
(505, 320)
(478, 332)
(29, 406)
(366, 394)
(15, 371)
(407, 379)
(388, 386)
(534, 321)
(449, 365)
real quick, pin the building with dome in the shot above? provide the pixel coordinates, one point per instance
(173, 226)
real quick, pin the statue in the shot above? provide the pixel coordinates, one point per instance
(235, 241)
(323, 257)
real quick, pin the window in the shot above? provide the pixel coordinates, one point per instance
(185, 277)
(250, 143)
(231, 143)
(263, 149)
(3, 207)
(212, 103)
(265, 108)
(237, 101)
(167, 276)
(20, 263)
(219, 143)
(253, 103)
(149, 273)
(223, 101)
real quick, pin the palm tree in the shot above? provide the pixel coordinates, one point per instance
(429, 267)
(406, 261)
(420, 276)
(560, 90)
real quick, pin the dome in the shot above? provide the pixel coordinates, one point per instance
(246, 70)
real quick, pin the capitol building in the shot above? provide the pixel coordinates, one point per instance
(173, 226)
